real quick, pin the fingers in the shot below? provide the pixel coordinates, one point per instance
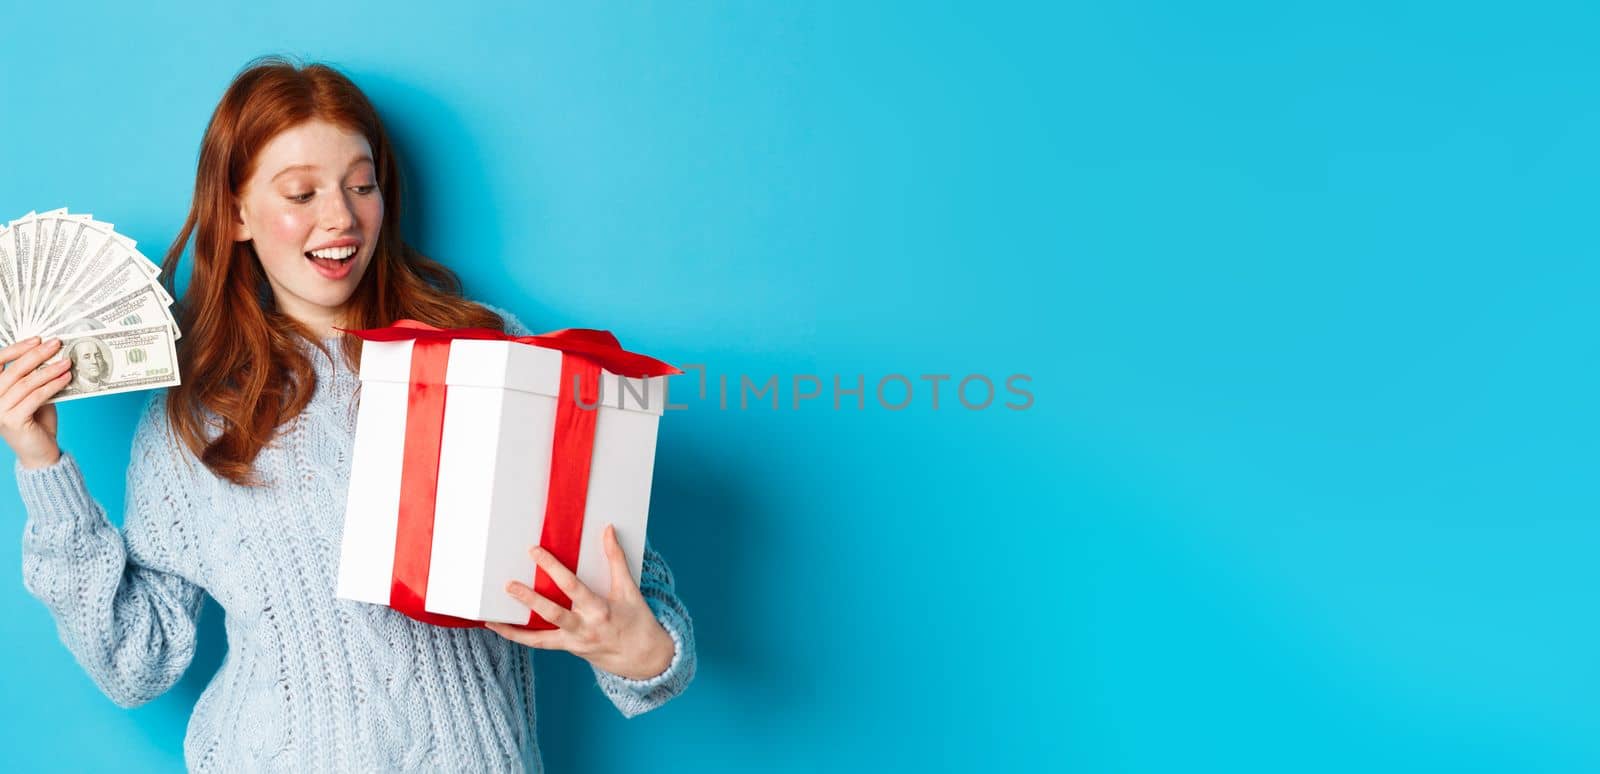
(621, 579)
(547, 639)
(541, 604)
(10, 353)
(558, 572)
(23, 365)
(46, 388)
(20, 391)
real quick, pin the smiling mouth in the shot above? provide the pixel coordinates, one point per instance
(332, 257)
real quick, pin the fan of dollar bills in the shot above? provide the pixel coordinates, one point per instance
(74, 278)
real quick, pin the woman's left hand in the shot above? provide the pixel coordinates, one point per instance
(616, 632)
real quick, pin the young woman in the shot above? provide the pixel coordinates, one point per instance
(238, 480)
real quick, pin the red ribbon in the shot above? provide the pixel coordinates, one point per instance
(584, 351)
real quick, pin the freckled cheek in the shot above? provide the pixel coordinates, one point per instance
(291, 226)
(370, 211)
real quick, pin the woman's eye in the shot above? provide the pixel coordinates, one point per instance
(363, 190)
(299, 198)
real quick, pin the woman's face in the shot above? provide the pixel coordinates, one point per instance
(312, 210)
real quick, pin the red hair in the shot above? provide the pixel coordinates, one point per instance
(245, 367)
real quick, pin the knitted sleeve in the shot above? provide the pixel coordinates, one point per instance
(633, 697)
(120, 599)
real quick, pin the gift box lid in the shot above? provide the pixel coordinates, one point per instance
(510, 365)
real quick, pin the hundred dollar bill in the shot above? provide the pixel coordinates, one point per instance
(124, 279)
(65, 274)
(79, 238)
(22, 230)
(37, 235)
(6, 293)
(141, 307)
(106, 362)
(87, 259)
(150, 267)
(95, 265)
(45, 227)
(49, 251)
(55, 236)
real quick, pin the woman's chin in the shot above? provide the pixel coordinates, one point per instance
(333, 292)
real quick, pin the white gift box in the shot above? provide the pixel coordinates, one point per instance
(494, 465)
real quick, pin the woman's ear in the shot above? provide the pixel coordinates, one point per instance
(241, 232)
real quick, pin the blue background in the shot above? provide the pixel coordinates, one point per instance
(1306, 296)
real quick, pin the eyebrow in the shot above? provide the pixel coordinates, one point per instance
(310, 167)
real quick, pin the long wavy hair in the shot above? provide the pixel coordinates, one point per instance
(246, 370)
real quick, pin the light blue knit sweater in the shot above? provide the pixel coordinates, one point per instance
(310, 683)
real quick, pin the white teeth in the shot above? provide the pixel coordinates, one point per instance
(335, 253)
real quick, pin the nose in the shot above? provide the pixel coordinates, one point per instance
(337, 215)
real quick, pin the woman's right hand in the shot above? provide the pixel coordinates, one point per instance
(26, 423)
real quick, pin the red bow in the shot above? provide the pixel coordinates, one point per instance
(596, 345)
